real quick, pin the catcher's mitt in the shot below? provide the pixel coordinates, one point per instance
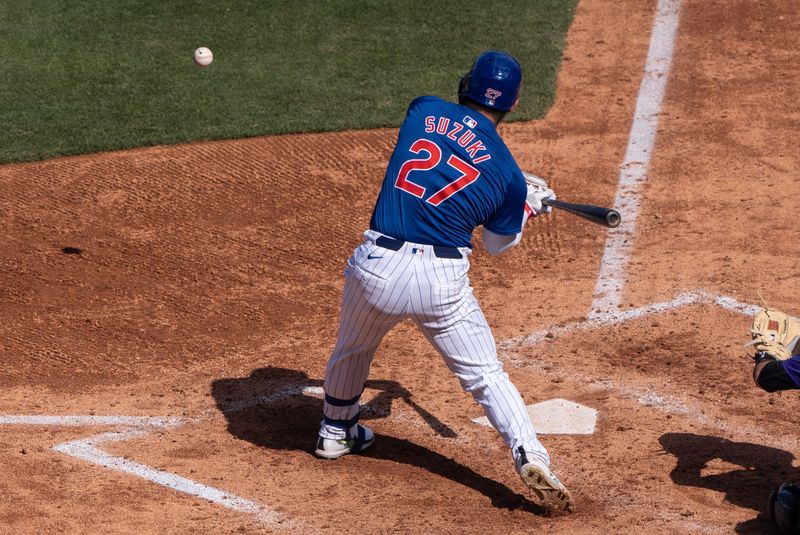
(775, 334)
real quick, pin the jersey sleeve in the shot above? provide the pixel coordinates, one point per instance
(507, 220)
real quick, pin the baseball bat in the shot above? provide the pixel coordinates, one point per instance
(607, 217)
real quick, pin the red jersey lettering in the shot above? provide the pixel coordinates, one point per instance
(455, 131)
(465, 138)
(457, 127)
(418, 164)
(474, 148)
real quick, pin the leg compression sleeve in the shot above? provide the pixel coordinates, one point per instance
(773, 377)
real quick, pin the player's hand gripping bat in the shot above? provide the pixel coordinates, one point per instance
(539, 191)
(596, 214)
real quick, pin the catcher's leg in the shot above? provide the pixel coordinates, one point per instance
(772, 374)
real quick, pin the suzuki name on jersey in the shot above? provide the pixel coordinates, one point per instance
(456, 132)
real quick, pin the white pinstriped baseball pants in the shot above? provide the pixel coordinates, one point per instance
(383, 287)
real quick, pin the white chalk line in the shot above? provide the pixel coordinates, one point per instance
(634, 168)
(140, 426)
(141, 422)
(86, 450)
(646, 397)
(620, 316)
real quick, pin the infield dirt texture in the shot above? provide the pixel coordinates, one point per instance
(166, 379)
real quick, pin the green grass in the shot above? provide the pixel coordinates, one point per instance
(87, 76)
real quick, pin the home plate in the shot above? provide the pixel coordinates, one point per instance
(558, 417)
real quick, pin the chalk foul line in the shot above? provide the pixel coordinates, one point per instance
(634, 168)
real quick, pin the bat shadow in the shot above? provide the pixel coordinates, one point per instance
(270, 409)
(758, 470)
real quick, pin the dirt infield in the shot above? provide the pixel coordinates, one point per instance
(164, 374)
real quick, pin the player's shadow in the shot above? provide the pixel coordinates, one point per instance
(270, 409)
(757, 471)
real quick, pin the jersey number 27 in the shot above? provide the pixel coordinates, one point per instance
(468, 173)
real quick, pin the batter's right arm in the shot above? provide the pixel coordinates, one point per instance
(496, 244)
(536, 190)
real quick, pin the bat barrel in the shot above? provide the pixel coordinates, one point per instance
(607, 217)
(613, 219)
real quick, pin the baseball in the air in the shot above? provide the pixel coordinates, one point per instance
(203, 57)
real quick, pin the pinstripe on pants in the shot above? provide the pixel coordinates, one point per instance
(383, 287)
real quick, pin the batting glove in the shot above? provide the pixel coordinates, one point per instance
(537, 191)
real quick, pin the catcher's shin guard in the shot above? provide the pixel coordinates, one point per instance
(776, 334)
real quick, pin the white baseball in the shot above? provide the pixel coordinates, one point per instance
(203, 57)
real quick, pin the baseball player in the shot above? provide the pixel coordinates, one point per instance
(450, 173)
(776, 337)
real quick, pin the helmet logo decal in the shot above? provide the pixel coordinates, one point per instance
(493, 94)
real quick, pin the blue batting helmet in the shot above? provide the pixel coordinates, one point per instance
(784, 508)
(493, 81)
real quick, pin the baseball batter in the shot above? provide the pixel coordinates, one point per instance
(450, 173)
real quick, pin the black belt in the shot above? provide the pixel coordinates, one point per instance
(439, 250)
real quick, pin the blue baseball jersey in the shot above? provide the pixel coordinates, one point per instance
(450, 172)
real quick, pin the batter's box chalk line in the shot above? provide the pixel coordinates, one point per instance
(603, 319)
(560, 416)
(550, 417)
(87, 449)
